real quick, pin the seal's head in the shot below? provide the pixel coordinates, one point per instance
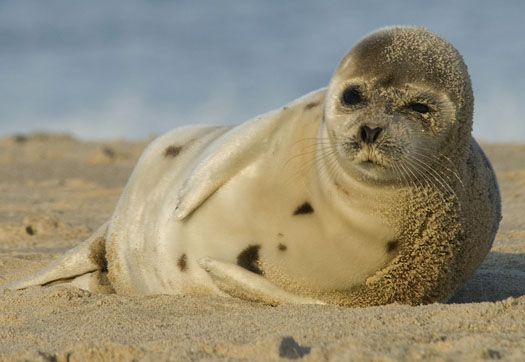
(400, 100)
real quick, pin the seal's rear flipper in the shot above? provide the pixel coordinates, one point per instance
(96, 282)
(83, 266)
(241, 283)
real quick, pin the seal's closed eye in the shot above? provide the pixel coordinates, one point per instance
(419, 108)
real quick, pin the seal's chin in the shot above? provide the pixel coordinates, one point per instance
(373, 170)
(369, 167)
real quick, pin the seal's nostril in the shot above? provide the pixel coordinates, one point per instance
(369, 135)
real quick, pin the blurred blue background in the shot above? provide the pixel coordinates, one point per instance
(104, 69)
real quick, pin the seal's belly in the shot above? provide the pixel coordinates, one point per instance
(279, 231)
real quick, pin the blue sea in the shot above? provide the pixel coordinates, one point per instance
(105, 69)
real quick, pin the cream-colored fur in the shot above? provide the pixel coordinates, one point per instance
(298, 206)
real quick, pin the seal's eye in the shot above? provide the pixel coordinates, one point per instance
(419, 108)
(352, 96)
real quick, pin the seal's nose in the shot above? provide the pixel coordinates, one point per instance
(369, 135)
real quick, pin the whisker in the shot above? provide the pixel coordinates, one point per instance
(309, 149)
(422, 177)
(411, 181)
(398, 171)
(314, 156)
(438, 160)
(306, 153)
(433, 173)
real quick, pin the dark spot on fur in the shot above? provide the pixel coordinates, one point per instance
(249, 259)
(182, 263)
(392, 246)
(290, 349)
(282, 247)
(280, 234)
(311, 105)
(305, 208)
(97, 253)
(172, 151)
(29, 230)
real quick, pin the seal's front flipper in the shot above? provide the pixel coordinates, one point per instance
(81, 266)
(233, 151)
(241, 283)
(225, 157)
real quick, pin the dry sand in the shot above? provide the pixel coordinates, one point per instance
(55, 190)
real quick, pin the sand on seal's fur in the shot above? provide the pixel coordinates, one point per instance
(64, 323)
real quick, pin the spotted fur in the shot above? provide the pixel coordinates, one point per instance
(392, 246)
(172, 151)
(232, 185)
(249, 259)
(305, 208)
(182, 263)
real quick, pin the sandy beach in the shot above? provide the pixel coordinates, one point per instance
(55, 190)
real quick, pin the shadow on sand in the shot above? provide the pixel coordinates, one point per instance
(501, 275)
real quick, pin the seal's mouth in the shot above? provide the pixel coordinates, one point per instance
(369, 157)
(368, 160)
(371, 166)
(368, 163)
(372, 160)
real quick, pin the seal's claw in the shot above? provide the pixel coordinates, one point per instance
(206, 263)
